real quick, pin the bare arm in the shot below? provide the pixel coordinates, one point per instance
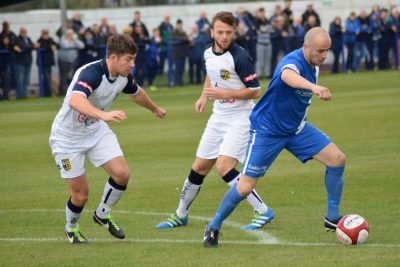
(79, 103)
(202, 101)
(244, 94)
(142, 99)
(294, 80)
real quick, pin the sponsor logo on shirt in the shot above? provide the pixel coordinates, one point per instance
(250, 77)
(227, 100)
(304, 92)
(225, 74)
(85, 85)
(66, 164)
(86, 119)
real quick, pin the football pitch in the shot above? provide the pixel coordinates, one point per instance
(363, 119)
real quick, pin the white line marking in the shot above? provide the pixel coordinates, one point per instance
(263, 237)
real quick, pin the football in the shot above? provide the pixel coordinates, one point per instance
(352, 230)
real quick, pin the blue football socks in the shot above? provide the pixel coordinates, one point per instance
(229, 203)
(334, 189)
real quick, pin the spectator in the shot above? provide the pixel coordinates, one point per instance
(203, 25)
(243, 36)
(141, 41)
(60, 33)
(243, 16)
(195, 55)
(127, 30)
(137, 21)
(77, 25)
(45, 60)
(104, 30)
(375, 25)
(288, 14)
(350, 40)
(67, 57)
(91, 50)
(385, 43)
(310, 23)
(396, 44)
(363, 40)
(166, 29)
(336, 34)
(310, 12)
(113, 29)
(180, 49)
(277, 37)
(23, 61)
(6, 31)
(296, 34)
(152, 58)
(6, 50)
(264, 48)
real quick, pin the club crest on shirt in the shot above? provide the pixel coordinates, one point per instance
(66, 164)
(225, 74)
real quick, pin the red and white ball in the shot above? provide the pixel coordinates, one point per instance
(352, 230)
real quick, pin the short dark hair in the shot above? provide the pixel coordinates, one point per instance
(226, 17)
(120, 44)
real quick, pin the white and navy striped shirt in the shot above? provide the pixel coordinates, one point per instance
(93, 81)
(233, 70)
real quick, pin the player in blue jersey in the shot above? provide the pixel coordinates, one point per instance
(278, 121)
(80, 131)
(232, 83)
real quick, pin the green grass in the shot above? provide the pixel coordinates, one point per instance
(363, 119)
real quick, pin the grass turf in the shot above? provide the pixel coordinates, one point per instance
(363, 119)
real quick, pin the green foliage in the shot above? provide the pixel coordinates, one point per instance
(363, 119)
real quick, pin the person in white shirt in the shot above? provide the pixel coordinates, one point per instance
(80, 131)
(232, 83)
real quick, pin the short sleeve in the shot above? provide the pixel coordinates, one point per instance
(244, 67)
(88, 80)
(131, 87)
(293, 65)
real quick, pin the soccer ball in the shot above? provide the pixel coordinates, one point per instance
(352, 230)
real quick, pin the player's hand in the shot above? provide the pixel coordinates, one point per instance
(115, 115)
(200, 104)
(322, 92)
(160, 112)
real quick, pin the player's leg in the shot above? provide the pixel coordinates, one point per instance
(191, 187)
(206, 154)
(334, 160)
(71, 166)
(312, 143)
(226, 169)
(232, 150)
(113, 191)
(231, 200)
(74, 207)
(108, 154)
(261, 152)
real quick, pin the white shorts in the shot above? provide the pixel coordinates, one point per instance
(99, 148)
(225, 135)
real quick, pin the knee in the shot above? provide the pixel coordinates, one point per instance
(122, 176)
(338, 159)
(79, 198)
(244, 189)
(223, 167)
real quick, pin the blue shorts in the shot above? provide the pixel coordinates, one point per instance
(262, 149)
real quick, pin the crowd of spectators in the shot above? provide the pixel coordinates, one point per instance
(367, 37)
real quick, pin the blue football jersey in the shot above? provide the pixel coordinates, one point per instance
(282, 110)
